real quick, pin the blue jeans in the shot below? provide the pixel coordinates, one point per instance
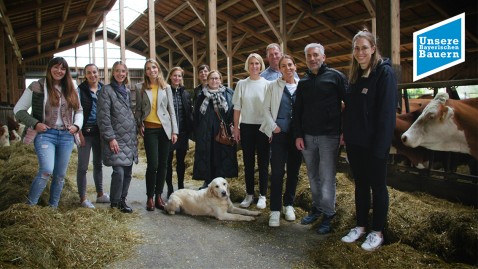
(53, 149)
(284, 154)
(92, 144)
(320, 156)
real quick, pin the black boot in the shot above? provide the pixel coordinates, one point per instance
(124, 207)
(324, 227)
(170, 191)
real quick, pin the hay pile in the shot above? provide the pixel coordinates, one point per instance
(423, 231)
(42, 237)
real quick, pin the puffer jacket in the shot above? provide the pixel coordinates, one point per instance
(116, 121)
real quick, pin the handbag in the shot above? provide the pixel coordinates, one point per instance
(30, 135)
(224, 136)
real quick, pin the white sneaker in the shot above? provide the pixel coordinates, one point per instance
(289, 213)
(247, 201)
(353, 235)
(274, 219)
(372, 242)
(261, 203)
(105, 198)
(86, 203)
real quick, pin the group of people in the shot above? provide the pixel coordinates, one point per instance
(278, 118)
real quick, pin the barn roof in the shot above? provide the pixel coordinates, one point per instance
(38, 28)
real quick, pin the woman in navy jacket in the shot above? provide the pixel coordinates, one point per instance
(369, 122)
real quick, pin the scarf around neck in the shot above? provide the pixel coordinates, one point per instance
(120, 88)
(217, 98)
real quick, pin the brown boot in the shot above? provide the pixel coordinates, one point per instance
(159, 203)
(150, 204)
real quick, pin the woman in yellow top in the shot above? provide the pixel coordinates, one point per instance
(156, 122)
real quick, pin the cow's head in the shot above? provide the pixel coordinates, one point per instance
(433, 127)
(4, 136)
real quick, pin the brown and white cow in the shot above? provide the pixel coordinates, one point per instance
(446, 125)
(417, 156)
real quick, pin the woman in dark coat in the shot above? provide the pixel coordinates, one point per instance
(212, 159)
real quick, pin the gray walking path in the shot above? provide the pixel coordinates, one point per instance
(182, 241)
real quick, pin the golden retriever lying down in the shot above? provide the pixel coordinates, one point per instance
(213, 201)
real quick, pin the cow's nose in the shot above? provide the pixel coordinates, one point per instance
(404, 138)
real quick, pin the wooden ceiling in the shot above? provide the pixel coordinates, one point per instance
(42, 27)
(255, 23)
(39, 28)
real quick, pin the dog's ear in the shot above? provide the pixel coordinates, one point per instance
(210, 191)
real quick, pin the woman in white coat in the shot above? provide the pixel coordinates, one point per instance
(278, 104)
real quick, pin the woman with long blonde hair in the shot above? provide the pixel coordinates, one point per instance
(157, 125)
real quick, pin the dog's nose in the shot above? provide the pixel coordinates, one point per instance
(224, 193)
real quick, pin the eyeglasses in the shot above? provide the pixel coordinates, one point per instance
(364, 48)
(214, 78)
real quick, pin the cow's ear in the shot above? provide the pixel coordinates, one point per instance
(446, 113)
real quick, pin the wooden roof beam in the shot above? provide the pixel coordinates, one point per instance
(176, 11)
(445, 14)
(268, 19)
(66, 11)
(38, 24)
(53, 24)
(370, 6)
(10, 33)
(32, 7)
(178, 44)
(89, 9)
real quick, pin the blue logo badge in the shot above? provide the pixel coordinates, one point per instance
(438, 47)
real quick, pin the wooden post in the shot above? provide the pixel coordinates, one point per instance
(152, 30)
(105, 50)
(195, 62)
(122, 32)
(211, 25)
(3, 69)
(395, 38)
(229, 54)
(283, 28)
(93, 48)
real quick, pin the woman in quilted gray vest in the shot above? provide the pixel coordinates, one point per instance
(56, 116)
(118, 134)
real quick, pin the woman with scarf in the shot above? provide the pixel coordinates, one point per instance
(212, 159)
(118, 133)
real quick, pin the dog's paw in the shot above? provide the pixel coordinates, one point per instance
(171, 212)
(255, 213)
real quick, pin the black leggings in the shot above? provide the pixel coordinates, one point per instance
(369, 172)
